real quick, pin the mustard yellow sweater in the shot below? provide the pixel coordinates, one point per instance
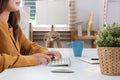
(16, 53)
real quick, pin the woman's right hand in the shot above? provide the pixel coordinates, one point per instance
(42, 58)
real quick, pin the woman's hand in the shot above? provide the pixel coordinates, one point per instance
(54, 54)
(46, 57)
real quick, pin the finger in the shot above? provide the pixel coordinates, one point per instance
(54, 53)
(51, 57)
(57, 54)
(44, 60)
(48, 58)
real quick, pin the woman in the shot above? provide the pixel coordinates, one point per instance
(15, 49)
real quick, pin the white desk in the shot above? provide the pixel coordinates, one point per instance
(83, 71)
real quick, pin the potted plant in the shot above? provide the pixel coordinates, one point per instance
(108, 43)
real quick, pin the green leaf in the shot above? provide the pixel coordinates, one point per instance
(109, 36)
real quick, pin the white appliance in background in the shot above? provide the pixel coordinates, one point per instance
(24, 23)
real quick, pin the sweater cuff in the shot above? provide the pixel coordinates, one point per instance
(31, 60)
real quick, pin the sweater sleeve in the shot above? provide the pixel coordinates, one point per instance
(28, 47)
(9, 61)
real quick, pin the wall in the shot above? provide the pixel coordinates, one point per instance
(83, 9)
(50, 12)
(47, 12)
(113, 11)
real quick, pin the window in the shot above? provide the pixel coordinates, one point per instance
(42, 11)
(32, 5)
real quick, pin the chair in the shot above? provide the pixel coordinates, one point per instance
(52, 37)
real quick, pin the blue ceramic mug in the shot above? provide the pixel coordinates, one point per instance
(77, 48)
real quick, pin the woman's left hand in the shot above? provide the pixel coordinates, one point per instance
(54, 54)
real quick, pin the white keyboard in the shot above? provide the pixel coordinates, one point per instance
(62, 62)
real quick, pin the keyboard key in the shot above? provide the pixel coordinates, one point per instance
(61, 62)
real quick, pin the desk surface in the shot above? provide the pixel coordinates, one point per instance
(83, 71)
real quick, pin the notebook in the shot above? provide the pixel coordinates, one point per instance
(89, 60)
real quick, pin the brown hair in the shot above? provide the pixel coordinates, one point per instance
(14, 17)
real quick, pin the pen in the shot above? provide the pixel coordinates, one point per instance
(94, 59)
